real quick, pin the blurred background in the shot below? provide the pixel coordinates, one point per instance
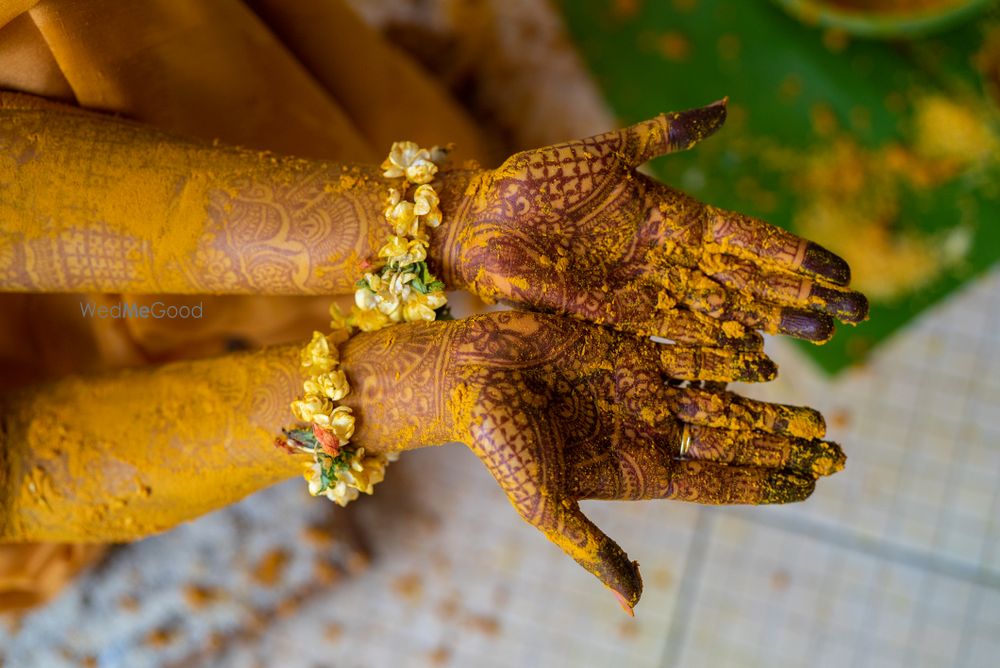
(868, 126)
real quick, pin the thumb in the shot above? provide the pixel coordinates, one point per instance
(567, 526)
(671, 132)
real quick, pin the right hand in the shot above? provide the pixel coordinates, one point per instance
(560, 411)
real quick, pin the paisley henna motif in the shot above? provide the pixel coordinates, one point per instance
(282, 238)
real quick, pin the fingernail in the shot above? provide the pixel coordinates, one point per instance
(818, 459)
(806, 423)
(806, 325)
(750, 340)
(687, 128)
(846, 306)
(622, 602)
(833, 462)
(781, 487)
(826, 264)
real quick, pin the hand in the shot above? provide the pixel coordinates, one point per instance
(559, 412)
(575, 229)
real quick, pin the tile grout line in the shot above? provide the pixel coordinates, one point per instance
(694, 564)
(975, 598)
(879, 548)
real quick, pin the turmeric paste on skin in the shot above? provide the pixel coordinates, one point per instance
(119, 456)
(122, 455)
(203, 89)
(155, 214)
(558, 410)
(98, 204)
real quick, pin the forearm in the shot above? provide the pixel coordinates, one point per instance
(120, 456)
(94, 203)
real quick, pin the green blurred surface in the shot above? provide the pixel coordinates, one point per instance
(889, 22)
(794, 92)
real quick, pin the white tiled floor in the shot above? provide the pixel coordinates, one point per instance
(774, 597)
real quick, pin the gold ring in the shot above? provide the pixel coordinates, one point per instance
(685, 440)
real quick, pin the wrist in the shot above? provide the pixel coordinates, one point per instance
(398, 377)
(457, 191)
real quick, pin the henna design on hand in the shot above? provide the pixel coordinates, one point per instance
(560, 411)
(574, 229)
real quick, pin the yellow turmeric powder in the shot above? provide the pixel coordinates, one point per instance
(118, 456)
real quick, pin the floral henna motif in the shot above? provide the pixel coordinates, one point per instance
(295, 237)
(560, 412)
(574, 229)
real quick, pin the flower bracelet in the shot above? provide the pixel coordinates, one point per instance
(399, 288)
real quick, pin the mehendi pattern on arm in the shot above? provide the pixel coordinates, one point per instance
(283, 238)
(95, 203)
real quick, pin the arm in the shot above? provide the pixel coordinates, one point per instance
(95, 203)
(121, 455)
(570, 228)
(558, 411)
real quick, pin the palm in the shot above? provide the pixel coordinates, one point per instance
(574, 229)
(560, 413)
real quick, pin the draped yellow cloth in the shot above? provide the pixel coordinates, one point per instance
(300, 77)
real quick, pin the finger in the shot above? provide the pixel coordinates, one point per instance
(809, 458)
(590, 547)
(786, 288)
(704, 295)
(715, 483)
(650, 470)
(666, 133)
(692, 329)
(753, 239)
(644, 308)
(506, 448)
(731, 411)
(717, 364)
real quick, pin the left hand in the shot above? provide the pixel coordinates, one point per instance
(574, 229)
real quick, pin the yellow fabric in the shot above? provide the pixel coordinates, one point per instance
(205, 69)
(304, 77)
(30, 573)
(27, 63)
(386, 94)
(10, 9)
